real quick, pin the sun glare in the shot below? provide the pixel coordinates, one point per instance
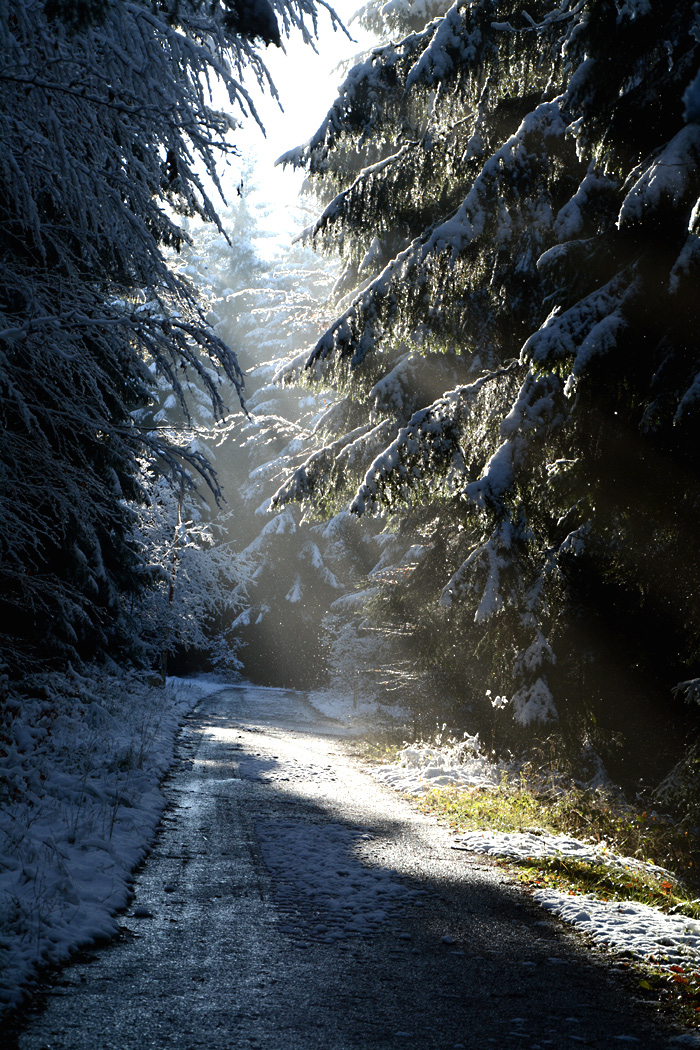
(307, 83)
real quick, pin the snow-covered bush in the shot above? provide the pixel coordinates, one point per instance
(201, 585)
(81, 758)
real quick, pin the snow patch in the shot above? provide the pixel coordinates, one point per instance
(420, 769)
(82, 773)
(537, 844)
(627, 926)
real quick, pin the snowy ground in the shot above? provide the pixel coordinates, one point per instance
(79, 782)
(80, 769)
(643, 932)
(357, 711)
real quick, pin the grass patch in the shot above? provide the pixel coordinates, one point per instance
(505, 808)
(595, 816)
(607, 882)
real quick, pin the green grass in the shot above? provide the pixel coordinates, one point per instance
(597, 816)
(608, 883)
(384, 747)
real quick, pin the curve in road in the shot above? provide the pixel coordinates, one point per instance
(293, 903)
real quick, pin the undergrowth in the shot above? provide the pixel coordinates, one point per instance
(598, 816)
(382, 748)
(672, 989)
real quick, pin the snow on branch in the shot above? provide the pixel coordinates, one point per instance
(536, 408)
(483, 568)
(430, 434)
(357, 450)
(338, 204)
(355, 332)
(450, 47)
(587, 329)
(427, 446)
(689, 691)
(399, 16)
(305, 478)
(671, 178)
(534, 703)
(469, 221)
(364, 101)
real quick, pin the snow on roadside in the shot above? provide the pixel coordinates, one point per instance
(645, 932)
(521, 845)
(419, 769)
(80, 767)
(355, 711)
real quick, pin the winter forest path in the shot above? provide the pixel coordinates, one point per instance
(291, 902)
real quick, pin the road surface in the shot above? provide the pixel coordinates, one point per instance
(292, 903)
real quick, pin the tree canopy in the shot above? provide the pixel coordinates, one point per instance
(515, 195)
(110, 132)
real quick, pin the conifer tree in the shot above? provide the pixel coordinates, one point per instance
(514, 194)
(294, 567)
(106, 123)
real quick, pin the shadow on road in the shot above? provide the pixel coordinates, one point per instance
(292, 903)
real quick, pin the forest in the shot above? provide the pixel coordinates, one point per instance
(440, 453)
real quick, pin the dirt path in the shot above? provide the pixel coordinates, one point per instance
(293, 903)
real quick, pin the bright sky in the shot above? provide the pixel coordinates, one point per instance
(307, 84)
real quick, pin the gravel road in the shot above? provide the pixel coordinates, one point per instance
(291, 903)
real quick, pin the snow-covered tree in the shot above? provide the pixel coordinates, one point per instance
(515, 195)
(200, 588)
(107, 123)
(396, 18)
(295, 567)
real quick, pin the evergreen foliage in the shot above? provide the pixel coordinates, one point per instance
(106, 124)
(291, 568)
(515, 195)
